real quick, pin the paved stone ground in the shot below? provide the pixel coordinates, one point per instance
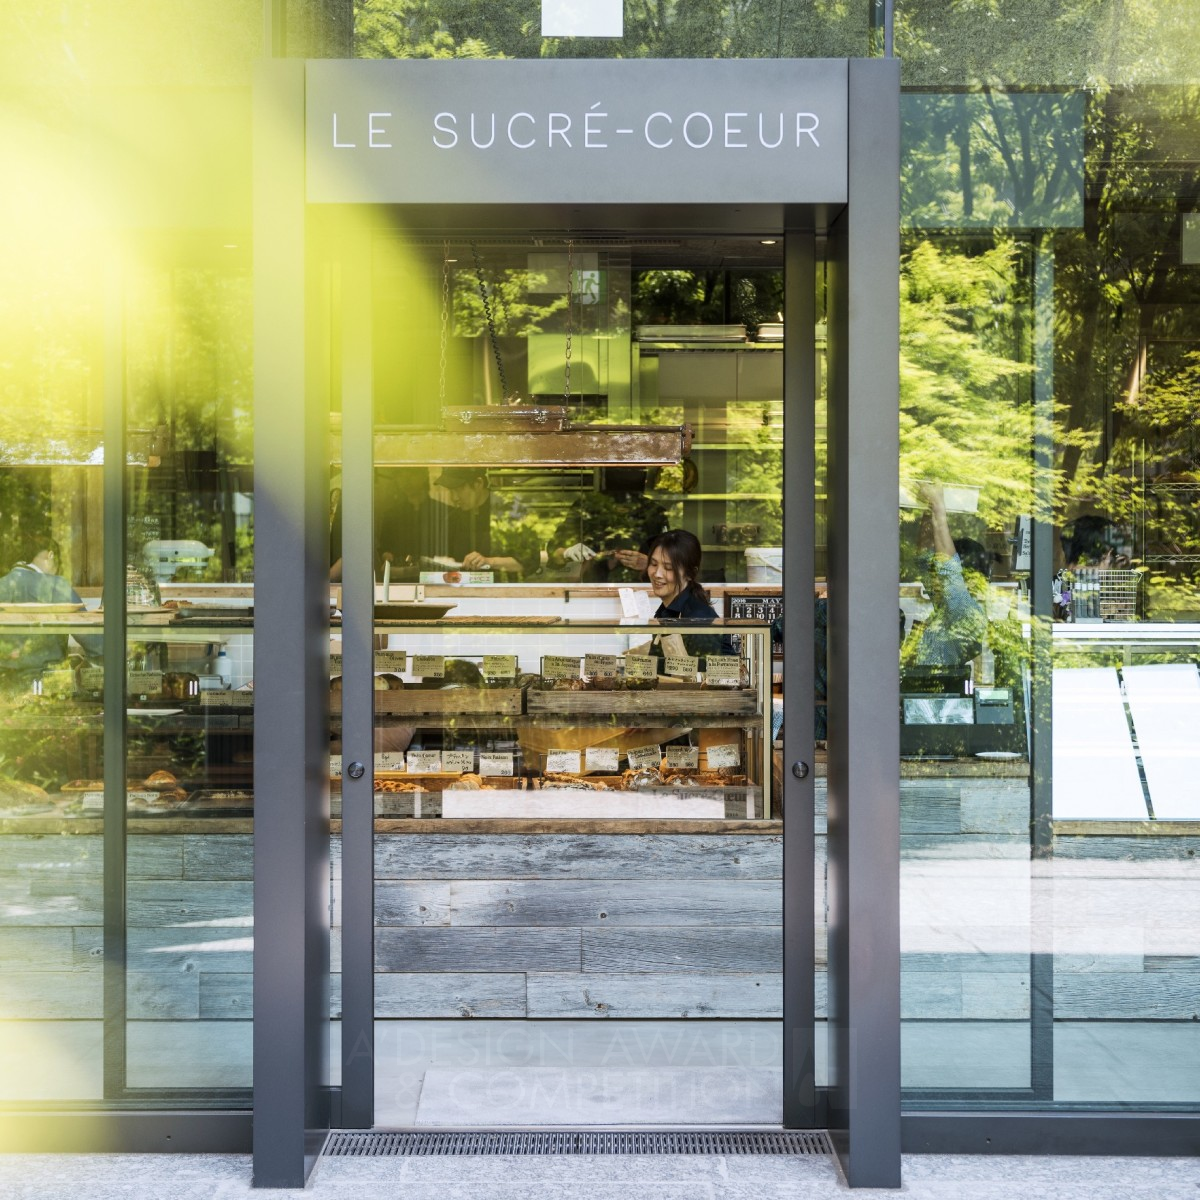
(227, 1177)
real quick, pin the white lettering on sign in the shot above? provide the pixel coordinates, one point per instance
(698, 129)
(374, 133)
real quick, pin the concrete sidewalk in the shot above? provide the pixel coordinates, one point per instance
(225, 1177)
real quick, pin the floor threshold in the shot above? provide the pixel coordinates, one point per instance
(353, 1143)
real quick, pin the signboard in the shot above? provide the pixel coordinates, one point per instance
(595, 131)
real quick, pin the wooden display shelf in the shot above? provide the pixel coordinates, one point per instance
(447, 701)
(717, 702)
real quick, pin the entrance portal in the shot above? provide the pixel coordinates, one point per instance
(528, 361)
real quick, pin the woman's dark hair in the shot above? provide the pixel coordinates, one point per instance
(682, 550)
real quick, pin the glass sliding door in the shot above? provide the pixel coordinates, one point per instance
(571, 809)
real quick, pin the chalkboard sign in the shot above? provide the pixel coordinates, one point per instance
(745, 607)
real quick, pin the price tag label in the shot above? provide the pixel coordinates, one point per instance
(684, 758)
(563, 761)
(645, 756)
(226, 699)
(496, 764)
(422, 762)
(681, 666)
(429, 666)
(92, 801)
(58, 683)
(605, 759)
(391, 660)
(499, 666)
(91, 679)
(458, 760)
(148, 798)
(555, 666)
(723, 670)
(724, 756)
(389, 760)
(335, 766)
(641, 666)
(600, 666)
(335, 664)
(144, 682)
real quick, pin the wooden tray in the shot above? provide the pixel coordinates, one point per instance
(502, 701)
(732, 702)
(38, 608)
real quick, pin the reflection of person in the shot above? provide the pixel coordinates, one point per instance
(593, 541)
(405, 517)
(33, 580)
(470, 535)
(952, 634)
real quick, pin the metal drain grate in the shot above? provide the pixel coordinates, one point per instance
(370, 1144)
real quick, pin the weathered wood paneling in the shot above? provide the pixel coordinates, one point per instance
(930, 806)
(995, 997)
(451, 994)
(153, 857)
(228, 857)
(494, 950)
(189, 902)
(50, 995)
(676, 994)
(659, 902)
(575, 856)
(740, 948)
(1130, 849)
(211, 949)
(408, 902)
(995, 806)
(1117, 995)
(226, 997)
(163, 995)
(64, 900)
(926, 996)
(37, 949)
(21, 854)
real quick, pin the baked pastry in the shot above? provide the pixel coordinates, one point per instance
(161, 781)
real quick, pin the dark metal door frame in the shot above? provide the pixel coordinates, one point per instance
(292, 844)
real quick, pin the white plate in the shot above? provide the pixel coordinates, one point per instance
(998, 754)
(153, 712)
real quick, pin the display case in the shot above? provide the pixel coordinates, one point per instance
(544, 718)
(189, 718)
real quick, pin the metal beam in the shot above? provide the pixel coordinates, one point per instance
(291, 648)
(864, 751)
(799, 473)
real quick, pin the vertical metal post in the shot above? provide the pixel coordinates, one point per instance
(864, 751)
(799, 843)
(358, 695)
(291, 659)
(1041, 966)
(114, 686)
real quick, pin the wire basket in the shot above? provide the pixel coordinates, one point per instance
(1100, 594)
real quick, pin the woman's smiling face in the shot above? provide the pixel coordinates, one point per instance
(665, 580)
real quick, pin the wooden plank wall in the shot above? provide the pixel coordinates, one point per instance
(594, 926)
(571, 925)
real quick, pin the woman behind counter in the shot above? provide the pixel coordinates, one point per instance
(673, 567)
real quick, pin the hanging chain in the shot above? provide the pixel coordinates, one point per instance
(445, 324)
(567, 367)
(491, 322)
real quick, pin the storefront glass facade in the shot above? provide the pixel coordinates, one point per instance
(1049, 619)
